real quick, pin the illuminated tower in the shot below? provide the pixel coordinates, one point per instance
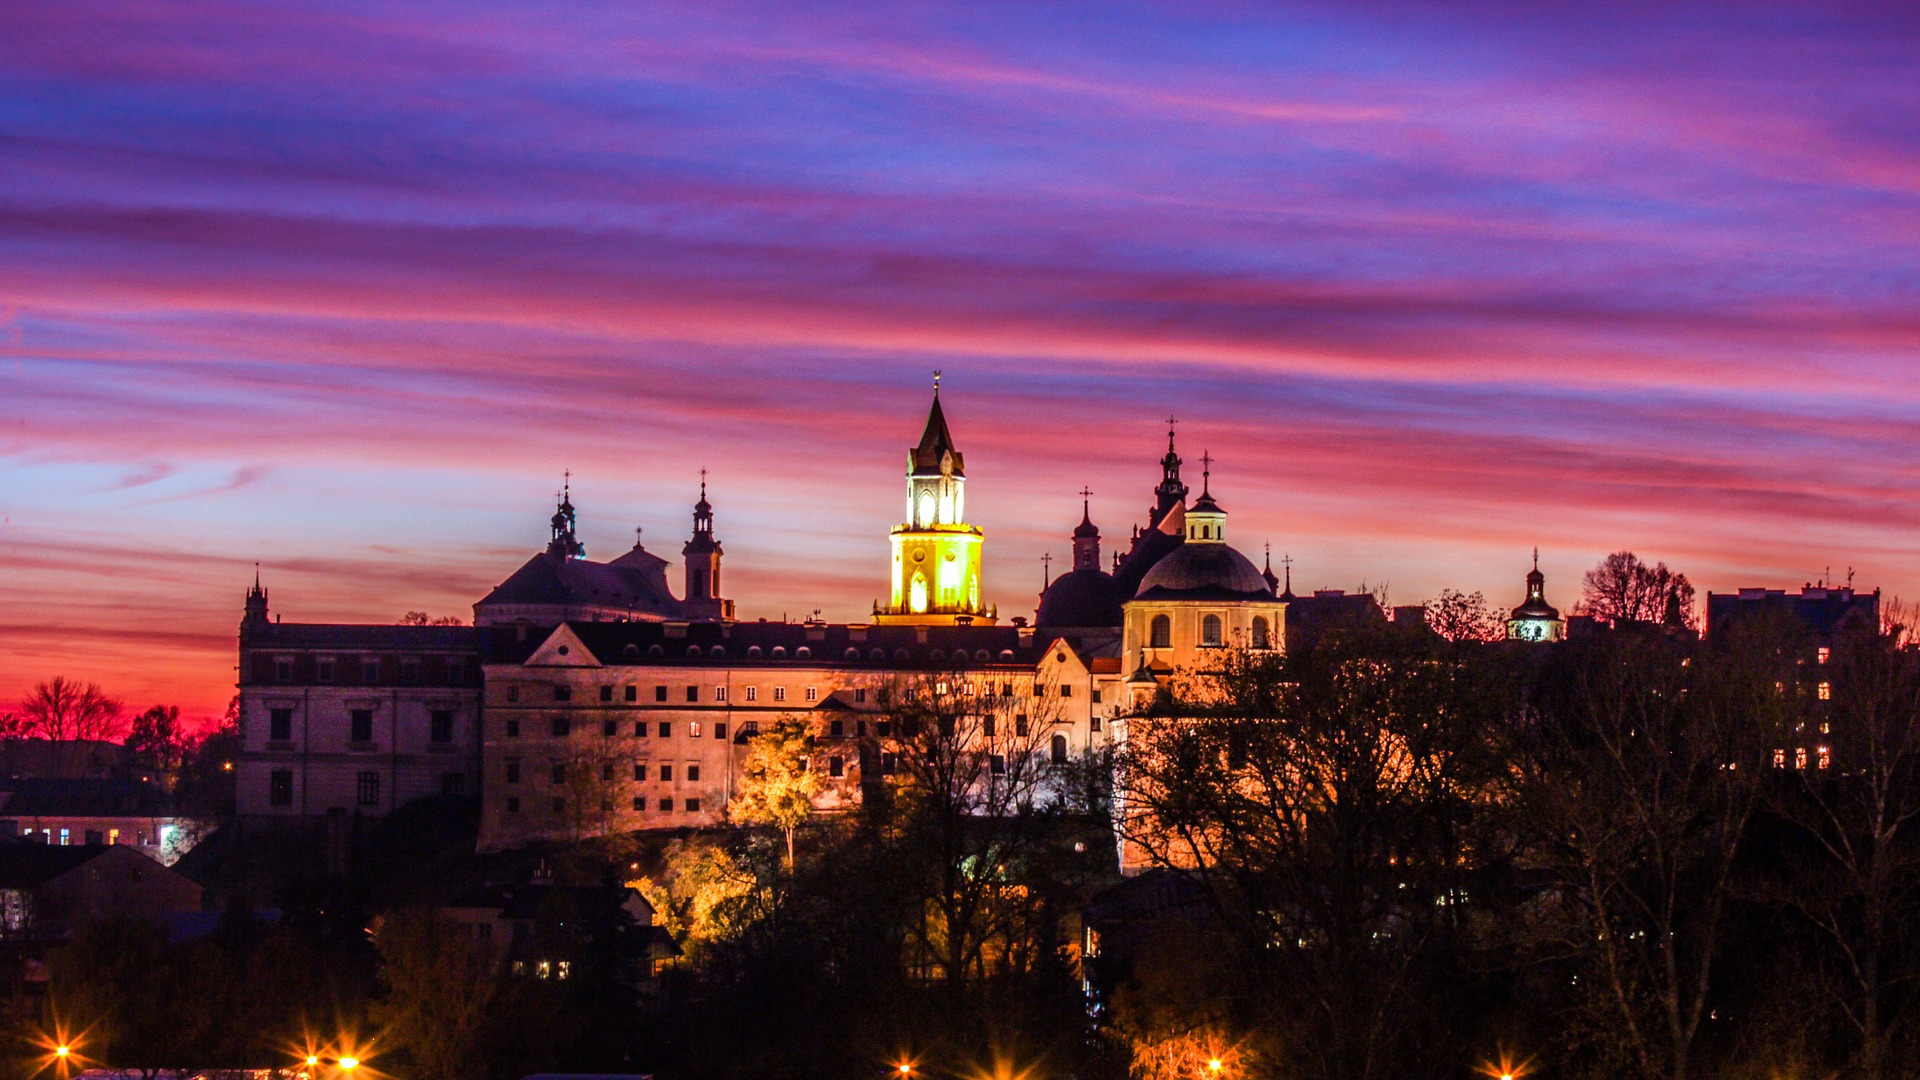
(1536, 620)
(703, 553)
(936, 554)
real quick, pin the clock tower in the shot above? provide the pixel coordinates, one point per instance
(936, 554)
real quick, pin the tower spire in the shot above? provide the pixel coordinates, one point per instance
(565, 543)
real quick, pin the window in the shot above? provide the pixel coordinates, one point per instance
(513, 770)
(323, 670)
(750, 729)
(410, 672)
(666, 773)
(559, 772)
(1826, 691)
(513, 728)
(1800, 758)
(606, 693)
(609, 728)
(1779, 759)
(283, 668)
(883, 728)
(693, 806)
(456, 673)
(360, 725)
(513, 804)
(280, 724)
(1093, 722)
(1826, 757)
(693, 729)
(720, 730)
(887, 763)
(280, 788)
(988, 727)
(779, 693)
(1019, 725)
(633, 694)
(719, 693)
(562, 692)
(753, 693)
(1059, 749)
(95, 836)
(1161, 635)
(997, 764)
(66, 837)
(666, 729)
(370, 670)
(659, 693)
(639, 772)
(1260, 639)
(1825, 654)
(453, 784)
(665, 805)
(1066, 690)
(606, 771)
(641, 729)
(693, 772)
(366, 789)
(1210, 632)
(640, 803)
(513, 694)
(837, 729)
(693, 695)
(441, 726)
(860, 695)
(836, 766)
(562, 727)
(813, 693)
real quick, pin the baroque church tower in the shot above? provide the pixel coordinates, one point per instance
(936, 554)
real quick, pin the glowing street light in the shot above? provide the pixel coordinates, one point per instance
(62, 1051)
(905, 1069)
(349, 1063)
(1214, 1065)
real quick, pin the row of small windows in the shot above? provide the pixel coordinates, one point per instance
(359, 725)
(1212, 633)
(665, 806)
(631, 694)
(366, 787)
(561, 727)
(327, 669)
(1825, 757)
(805, 652)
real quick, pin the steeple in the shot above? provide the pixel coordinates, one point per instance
(565, 544)
(256, 607)
(936, 554)
(702, 552)
(1267, 571)
(1170, 492)
(1206, 521)
(1086, 537)
(1536, 582)
(1536, 620)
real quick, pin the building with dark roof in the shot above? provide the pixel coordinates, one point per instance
(1535, 619)
(64, 812)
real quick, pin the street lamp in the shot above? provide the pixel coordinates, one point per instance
(349, 1063)
(1214, 1065)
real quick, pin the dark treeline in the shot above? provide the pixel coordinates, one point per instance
(1383, 854)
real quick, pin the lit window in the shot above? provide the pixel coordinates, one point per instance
(1826, 691)
(1779, 759)
(563, 969)
(66, 837)
(1825, 653)
(113, 836)
(1800, 758)
(693, 729)
(1826, 758)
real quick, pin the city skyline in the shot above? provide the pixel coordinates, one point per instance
(345, 293)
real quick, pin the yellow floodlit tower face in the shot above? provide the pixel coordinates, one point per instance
(936, 554)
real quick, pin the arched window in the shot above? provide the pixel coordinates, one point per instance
(1059, 749)
(917, 594)
(1260, 638)
(1210, 632)
(1161, 636)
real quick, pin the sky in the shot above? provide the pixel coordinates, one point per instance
(343, 289)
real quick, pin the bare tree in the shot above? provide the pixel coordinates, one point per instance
(63, 709)
(1457, 616)
(1624, 589)
(421, 618)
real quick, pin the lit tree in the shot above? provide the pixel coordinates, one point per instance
(777, 785)
(440, 985)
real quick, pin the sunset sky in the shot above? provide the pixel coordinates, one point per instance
(343, 288)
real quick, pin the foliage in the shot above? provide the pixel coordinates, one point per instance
(440, 983)
(1622, 589)
(158, 742)
(776, 784)
(421, 618)
(1457, 616)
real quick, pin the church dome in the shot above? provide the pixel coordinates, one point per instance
(1205, 571)
(1080, 598)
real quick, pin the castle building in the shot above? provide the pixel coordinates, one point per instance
(1535, 619)
(936, 554)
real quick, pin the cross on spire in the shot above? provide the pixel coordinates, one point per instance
(1171, 420)
(703, 482)
(1046, 570)
(1206, 471)
(936, 382)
